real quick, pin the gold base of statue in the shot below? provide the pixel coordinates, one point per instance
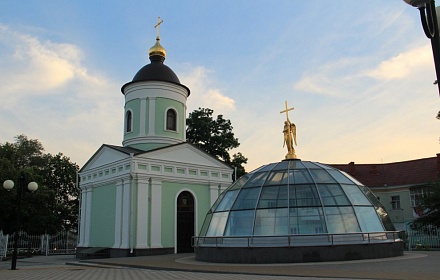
(290, 156)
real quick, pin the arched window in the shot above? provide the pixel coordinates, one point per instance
(128, 121)
(171, 120)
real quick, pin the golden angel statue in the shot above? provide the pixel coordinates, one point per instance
(289, 138)
(289, 132)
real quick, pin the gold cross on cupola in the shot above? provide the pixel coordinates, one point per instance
(157, 26)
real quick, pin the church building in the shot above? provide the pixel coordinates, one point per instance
(150, 195)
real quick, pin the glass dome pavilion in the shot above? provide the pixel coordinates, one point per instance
(295, 197)
(296, 211)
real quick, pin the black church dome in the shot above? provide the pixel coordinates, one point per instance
(156, 71)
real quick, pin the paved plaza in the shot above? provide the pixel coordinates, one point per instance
(413, 265)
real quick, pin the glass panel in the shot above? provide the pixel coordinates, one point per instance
(240, 223)
(323, 165)
(332, 195)
(383, 215)
(308, 220)
(309, 164)
(298, 177)
(321, 176)
(273, 197)
(352, 179)
(282, 165)
(341, 220)
(369, 194)
(276, 178)
(384, 218)
(257, 180)
(340, 177)
(355, 195)
(216, 203)
(247, 199)
(303, 195)
(217, 225)
(271, 222)
(368, 219)
(206, 224)
(266, 167)
(240, 182)
(227, 201)
(296, 164)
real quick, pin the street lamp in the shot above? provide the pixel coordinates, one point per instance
(429, 19)
(8, 185)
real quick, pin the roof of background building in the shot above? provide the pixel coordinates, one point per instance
(418, 171)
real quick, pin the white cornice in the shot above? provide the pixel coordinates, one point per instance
(155, 90)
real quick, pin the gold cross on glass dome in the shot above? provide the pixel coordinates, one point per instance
(287, 110)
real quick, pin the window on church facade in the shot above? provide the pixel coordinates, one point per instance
(171, 120)
(128, 121)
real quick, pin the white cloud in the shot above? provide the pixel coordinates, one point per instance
(334, 79)
(403, 64)
(34, 66)
(49, 94)
(203, 93)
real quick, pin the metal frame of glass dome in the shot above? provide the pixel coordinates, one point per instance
(296, 204)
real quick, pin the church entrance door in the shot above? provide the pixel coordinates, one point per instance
(185, 222)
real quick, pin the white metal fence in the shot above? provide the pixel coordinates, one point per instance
(426, 238)
(60, 243)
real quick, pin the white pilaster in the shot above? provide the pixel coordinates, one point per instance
(125, 228)
(214, 193)
(118, 214)
(142, 215)
(88, 216)
(156, 214)
(82, 228)
(151, 115)
(142, 117)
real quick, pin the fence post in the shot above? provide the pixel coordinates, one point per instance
(41, 244)
(47, 244)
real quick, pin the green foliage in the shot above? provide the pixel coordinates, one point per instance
(215, 136)
(238, 160)
(430, 205)
(54, 206)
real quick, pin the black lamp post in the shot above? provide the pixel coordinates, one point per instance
(428, 16)
(8, 185)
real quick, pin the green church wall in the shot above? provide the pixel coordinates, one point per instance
(170, 190)
(134, 106)
(103, 216)
(163, 104)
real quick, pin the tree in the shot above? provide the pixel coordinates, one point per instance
(430, 206)
(54, 206)
(215, 136)
(237, 163)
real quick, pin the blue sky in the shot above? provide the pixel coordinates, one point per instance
(359, 73)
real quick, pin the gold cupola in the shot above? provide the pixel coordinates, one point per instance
(157, 49)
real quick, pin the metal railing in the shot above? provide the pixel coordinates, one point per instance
(60, 243)
(423, 238)
(298, 240)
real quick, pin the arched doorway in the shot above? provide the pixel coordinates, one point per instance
(185, 222)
